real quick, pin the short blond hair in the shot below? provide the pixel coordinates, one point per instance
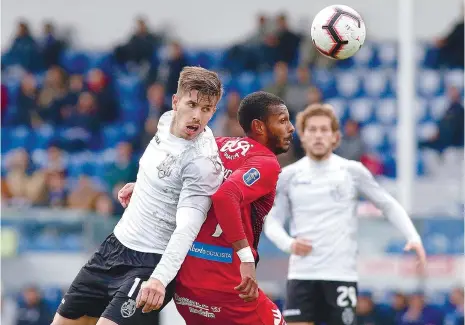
(318, 109)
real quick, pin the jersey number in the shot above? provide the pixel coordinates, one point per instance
(344, 293)
(218, 231)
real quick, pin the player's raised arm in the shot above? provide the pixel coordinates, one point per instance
(245, 185)
(368, 187)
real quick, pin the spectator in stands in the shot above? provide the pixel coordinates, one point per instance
(370, 314)
(451, 47)
(52, 47)
(456, 315)
(352, 146)
(26, 103)
(264, 29)
(76, 87)
(101, 87)
(24, 50)
(296, 94)
(227, 124)
(104, 206)
(25, 183)
(279, 88)
(418, 313)
(56, 160)
(33, 310)
(57, 192)
(141, 46)
(84, 195)
(84, 115)
(288, 41)
(52, 95)
(156, 100)
(314, 96)
(176, 62)
(156, 107)
(451, 126)
(124, 168)
(399, 306)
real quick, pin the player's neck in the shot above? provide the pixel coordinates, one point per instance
(320, 159)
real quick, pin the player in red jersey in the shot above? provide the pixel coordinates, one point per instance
(216, 283)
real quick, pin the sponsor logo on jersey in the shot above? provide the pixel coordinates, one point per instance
(233, 148)
(195, 307)
(128, 308)
(251, 176)
(211, 252)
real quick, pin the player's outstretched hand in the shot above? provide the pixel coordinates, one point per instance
(124, 194)
(249, 287)
(301, 247)
(419, 250)
(151, 295)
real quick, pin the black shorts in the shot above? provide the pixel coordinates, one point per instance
(319, 301)
(107, 286)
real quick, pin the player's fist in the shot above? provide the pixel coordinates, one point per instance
(249, 287)
(301, 247)
(124, 194)
(417, 247)
(151, 295)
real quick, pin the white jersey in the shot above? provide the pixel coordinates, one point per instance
(173, 173)
(320, 198)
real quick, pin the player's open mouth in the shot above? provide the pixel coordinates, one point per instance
(191, 129)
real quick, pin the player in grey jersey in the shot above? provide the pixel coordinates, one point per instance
(318, 194)
(178, 172)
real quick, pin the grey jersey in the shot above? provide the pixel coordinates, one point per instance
(173, 173)
(320, 198)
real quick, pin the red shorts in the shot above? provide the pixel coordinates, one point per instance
(210, 307)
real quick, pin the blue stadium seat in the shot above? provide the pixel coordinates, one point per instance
(373, 135)
(426, 130)
(348, 84)
(366, 56)
(340, 107)
(101, 60)
(430, 83)
(266, 79)
(438, 107)
(437, 244)
(386, 111)
(247, 83)
(421, 109)
(361, 110)
(20, 137)
(454, 78)
(42, 137)
(376, 83)
(387, 54)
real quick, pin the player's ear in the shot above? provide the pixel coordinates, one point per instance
(336, 139)
(258, 127)
(174, 102)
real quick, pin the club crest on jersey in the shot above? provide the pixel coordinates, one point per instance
(251, 176)
(166, 166)
(232, 148)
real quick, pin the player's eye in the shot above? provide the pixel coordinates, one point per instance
(205, 109)
(191, 104)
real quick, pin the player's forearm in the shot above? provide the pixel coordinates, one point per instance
(274, 230)
(400, 219)
(227, 204)
(188, 224)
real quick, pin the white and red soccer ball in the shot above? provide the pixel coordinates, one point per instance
(338, 32)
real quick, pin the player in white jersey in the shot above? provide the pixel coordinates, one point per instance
(178, 172)
(318, 194)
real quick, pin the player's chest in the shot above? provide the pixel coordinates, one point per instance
(314, 187)
(161, 163)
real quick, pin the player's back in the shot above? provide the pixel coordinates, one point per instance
(211, 263)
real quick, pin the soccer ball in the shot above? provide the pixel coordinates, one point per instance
(338, 32)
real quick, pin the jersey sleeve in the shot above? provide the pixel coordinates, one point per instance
(280, 212)
(256, 178)
(368, 187)
(201, 177)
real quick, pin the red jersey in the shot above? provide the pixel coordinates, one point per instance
(252, 171)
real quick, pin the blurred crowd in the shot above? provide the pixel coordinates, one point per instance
(82, 103)
(33, 307)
